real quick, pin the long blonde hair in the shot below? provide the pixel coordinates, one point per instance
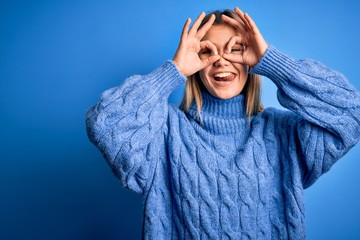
(194, 85)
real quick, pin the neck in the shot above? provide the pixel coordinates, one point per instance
(221, 116)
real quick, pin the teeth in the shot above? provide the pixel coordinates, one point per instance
(221, 75)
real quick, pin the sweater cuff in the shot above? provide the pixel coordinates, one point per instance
(165, 79)
(275, 65)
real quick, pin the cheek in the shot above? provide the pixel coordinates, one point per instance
(203, 77)
(242, 69)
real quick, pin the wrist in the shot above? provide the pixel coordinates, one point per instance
(262, 50)
(178, 67)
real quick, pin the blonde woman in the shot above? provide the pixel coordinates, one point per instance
(221, 166)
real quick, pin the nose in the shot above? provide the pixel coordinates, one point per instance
(221, 62)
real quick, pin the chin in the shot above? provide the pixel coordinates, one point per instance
(225, 95)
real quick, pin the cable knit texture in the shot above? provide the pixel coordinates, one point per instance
(226, 177)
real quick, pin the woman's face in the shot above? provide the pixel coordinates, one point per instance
(223, 79)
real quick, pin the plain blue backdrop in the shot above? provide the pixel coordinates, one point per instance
(56, 57)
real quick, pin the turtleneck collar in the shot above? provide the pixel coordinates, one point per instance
(221, 116)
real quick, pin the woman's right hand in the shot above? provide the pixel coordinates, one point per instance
(187, 58)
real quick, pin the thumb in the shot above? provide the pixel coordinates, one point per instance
(210, 60)
(233, 58)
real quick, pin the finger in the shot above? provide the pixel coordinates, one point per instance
(233, 22)
(209, 45)
(196, 24)
(242, 17)
(185, 29)
(233, 40)
(261, 43)
(201, 33)
(251, 23)
(210, 60)
(235, 58)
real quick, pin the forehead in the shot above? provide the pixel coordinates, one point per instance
(220, 34)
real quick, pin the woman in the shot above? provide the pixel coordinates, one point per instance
(222, 167)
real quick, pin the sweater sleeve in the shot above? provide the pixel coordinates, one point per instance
(326, 123)
(128, 124)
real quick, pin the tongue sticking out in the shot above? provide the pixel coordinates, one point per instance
(224, 77)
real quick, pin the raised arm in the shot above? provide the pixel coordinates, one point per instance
(128, 124)
(325, 122)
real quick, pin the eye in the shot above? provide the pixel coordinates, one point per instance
(205, 52)
(238, 48)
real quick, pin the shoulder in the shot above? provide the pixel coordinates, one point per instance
(177, 116)
(175, 111)
(277, 118)
(271, 112)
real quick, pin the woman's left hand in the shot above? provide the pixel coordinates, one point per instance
(250, 38)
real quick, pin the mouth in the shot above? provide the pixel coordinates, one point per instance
(224, 77)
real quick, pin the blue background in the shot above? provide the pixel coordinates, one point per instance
(56, 57)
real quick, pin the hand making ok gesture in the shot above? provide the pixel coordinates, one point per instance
(187, 58)
(249, 36)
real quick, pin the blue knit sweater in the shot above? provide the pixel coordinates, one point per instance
(225, 178)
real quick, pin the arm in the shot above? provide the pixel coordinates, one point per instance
(127, 119)
(128, 124)
(327, 105)
(326, 123)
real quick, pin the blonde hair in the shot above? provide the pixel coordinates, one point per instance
(194, 85)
